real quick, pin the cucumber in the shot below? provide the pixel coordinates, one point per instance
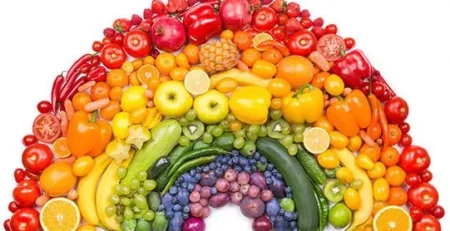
(296, 178)
(164, 137)
(309, 163)
(322, 203)
(158, 169)
(225, 141)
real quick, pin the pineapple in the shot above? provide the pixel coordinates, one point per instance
(219, 56)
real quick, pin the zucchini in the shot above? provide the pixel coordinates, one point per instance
(309, 163)
(296, 178)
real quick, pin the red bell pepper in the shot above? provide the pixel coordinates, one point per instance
(353, 68)
(202, 23)
(97, 74)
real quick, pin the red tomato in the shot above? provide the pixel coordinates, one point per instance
(428, 223)
(438, 212)
(423, 196)
(331, 29)
(117, 39)
(137, 43)
(13, 206)
(264, 19)
(405, 140)
(7, 225)
(413, 180)
(331, 46)
(26, 193)
(278, 33)
(46, 128)
(302, 42)
(404, 127)
(37, 157)
(396, 110)
(113, 56)
(19, 175)
(378, 89)
(44, 106)
(97, 46)
(29, 140)
(349, 43)
(416, 214)
(26, 219)
(414, 159)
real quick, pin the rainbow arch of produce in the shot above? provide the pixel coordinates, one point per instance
(195, 105)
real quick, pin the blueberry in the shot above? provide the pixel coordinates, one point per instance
(184, 185)
(282, 212)
(257, 156)
(219, 158)
(280, 224)
(272, 208)
(212, 166)
(190, 187)
(174, 200)
(186, 209)
(192, 172)
(288, 215)
(166, 200)
(198, 169)
(185, 216)
(169, 214)
(269, 181)
(219, 165)
(230, 162)
(238, 169)
(279, 176)
(289, 195)
(254, 168)
(218, 172)
(224, 167)
(293, 224)
(213, 191)
(176, 222)
(177, 207)
(263, 160)
(177, 184)
(270, 167)
(272, 218)
(183, 197)
(193, 180)
(252, 161)
(287, 190)
(223, 161)
(267, 174)
(198, 176)
(205, 169)
(294, 229)
(161, 208)
(235, 152)
(243, 161)
(247, 169)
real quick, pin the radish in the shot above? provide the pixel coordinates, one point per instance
(235, 14)
(168, 34)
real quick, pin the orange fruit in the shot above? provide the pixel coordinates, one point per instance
(137, 63)
(373, 152)
(115, 93)
(250, 56)
(264, 69)
(100, 90)
(60, 147)
(227, 85)
(279, 87)
(260, 38)
(242, 40)
(111, 110)
(272, 55)
(182, 60)
(319, 79)
(80, 99)
(57, 179)
(178, 73)
(192, 53)
(127, 67)
(297, 70)
(146, 72)
(149, 60)
(86, 228)
(165, 62)
(227, 34)
(395, 176)
(117, 78)
(133, 79)
(397, 196)
(390, 156)
(165, 78)
(392, 218)
(153, 83)
(60, 214)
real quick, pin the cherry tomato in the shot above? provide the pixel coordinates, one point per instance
(137, 43)
(414, 159)
(438, 212)
(264, 19)
(426, 176)
(278, 33)
(106, 41)
(423, 196)
(97, 46)
(416, 213)
(44, 106)
(396, 110)
(394, 134)
(282, 19)
(306, 23)
(428, 223)
(349, 43)
(405, 140)
(365, 88)
(331, 29)
(404, 127)
(19, 175)
(46, 128)
(378, 89)
(117, 39)
(7, 225)
(113, 56)
(26, 193)
(13, 206)
(302, 42)
(37, 157)
(29, 140)
(331, 46)
(26, 219)
(413, 180)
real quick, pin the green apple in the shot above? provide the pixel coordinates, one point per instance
(211, 107)
(172, 99)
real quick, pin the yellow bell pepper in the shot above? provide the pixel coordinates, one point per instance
(250, 104)
(120, 124)
(304, 105)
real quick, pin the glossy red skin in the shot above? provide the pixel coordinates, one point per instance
(97, 46)
(118, 38)
(404, 127)
(423, 196)
(278, 33)
(26, 193)
(137, 43)
(396, 110)
(438, 212)
(349, 43)
(354, 68)
(19, 175)
(13, 206)
(37, 157)
(416, 213)
(302, 43)
(7, 225)
(113, 56)
(405, 140)
(26, 219)
(426, 176)
(414, 159)
(44, 106)
(202, 23)
(29, 140)
(413, 179)
(331, 29)
(428, 223)
(264, 19)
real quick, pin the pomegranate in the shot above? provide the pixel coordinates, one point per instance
(235, 14)
(168, 34)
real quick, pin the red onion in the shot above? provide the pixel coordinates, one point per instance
(194, 224)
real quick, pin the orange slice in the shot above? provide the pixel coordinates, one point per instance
(146, 72)
(60, 147)
(259, 38)
(392, 218)
(60, 214)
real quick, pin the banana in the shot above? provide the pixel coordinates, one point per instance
(106, 189)
(87, 186)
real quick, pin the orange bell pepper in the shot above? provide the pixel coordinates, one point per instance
(86, 135)
(350, 115)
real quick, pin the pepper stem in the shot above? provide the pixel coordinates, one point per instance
(93, 117)
(301, 89)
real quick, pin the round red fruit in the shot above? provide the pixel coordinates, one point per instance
(137, 43)
(438, 212)
(423, 196)
(29, 140)
(413, 180)
(19, 175)
(414, 159)
(302, 43)
(331, 46)
(349, 43)
(396, 110)
(13, 206)
(26, 219)
(428, 223)
(405, 140)
(44, 106)
(37, 157)
(426, 176)
(26, 193)
(113, 56)
(46, 127)
(416, 213)
(97, 46)
(264, 19)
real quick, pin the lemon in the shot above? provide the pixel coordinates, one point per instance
(60, 214)
(316, 140)
(197, 82)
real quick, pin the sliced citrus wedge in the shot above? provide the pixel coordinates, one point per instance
(392, 218)
(259, 38)
(60, 147)
(197, 82)
(316, 140)
(60, 214)
(146, 72)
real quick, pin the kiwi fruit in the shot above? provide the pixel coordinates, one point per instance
(334, 190)
(194, 130)
(278, 129)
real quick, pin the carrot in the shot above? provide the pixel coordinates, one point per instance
(40, 201)
(333, 100)
(150, 104)
(64, 123)
(347, 91)
(242, 66)
(384, 126)
(318, 59)
(98, 104)
(68, 106)
(86, 86)
(367, 139)
(149, 94)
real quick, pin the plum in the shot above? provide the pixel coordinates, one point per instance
(252, 208)
(243, 178)
(196, 210)
(230, 175)
(259, 180)
(262, 224)
(234, 187)
(278, 188)
(222, 185)
(195, 196)
(208, 179)
(266, 195)
(219, 200)
(254, 191)
(205, 192)
(236, 198)
(272, 208)
(204, 202)
(244, 189)
(206, 212)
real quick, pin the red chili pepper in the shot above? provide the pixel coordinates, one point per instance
(56, 89)
(202, 23)
(95, 61)
(74, 70)
(67, 86)
(97, 74)
(7, 225)
(73, 90)
(85, 68)
(353, 68)
(32, 175)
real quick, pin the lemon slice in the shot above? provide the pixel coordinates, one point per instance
(60, 214)
(392, 218)
(316, 140)
(260, 38)
(197, 82)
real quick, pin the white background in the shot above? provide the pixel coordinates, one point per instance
(407, 40)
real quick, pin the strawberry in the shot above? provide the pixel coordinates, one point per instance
(318, 31)
(174, 6)
(158, 7)
(148, 13)
(122, 25)
(318, 22)
(109, 32)
(255, 4)
(293, 25)
(279, 6)
(136, 19)
(305, 14)
(293, 10)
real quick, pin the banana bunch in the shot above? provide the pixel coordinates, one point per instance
(153, 118)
